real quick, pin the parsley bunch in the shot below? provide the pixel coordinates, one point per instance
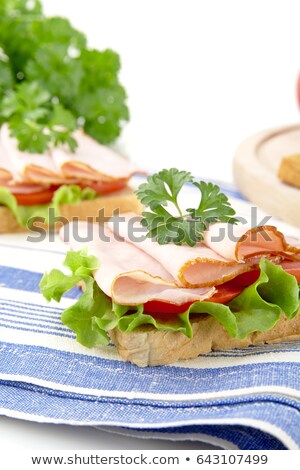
(187, 226)
(51, 82)
(35, 120)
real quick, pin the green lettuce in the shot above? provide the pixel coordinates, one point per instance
(257, 308)
(67, 194)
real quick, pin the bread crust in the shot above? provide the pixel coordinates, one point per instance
(147, 346)
(289, 170)
(124, 200)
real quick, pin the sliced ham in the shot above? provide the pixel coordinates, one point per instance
(24, 188)
(240, 242)
(30, 167)
(92, 161)
(127, 274)
(212, 262)
(197, 266)
(135, 269)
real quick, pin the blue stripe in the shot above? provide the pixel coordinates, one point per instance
(37, 330)
(98, 373)
(24, 280)
(32, 323)
(161, 405)
(33, 399)
(42, 308)
(34, 326)
(14, 312)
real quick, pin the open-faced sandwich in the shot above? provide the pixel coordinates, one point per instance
(174, 283)
(61, 103)
(90, 182)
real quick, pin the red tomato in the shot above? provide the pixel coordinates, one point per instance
(155, 306)
(224, 293)
(28, 194)
(44, 196)
(105, 187)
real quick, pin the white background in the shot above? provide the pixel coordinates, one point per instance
(201, 76)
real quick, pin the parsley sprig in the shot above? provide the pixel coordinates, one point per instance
(161, 192)
(78, 86)
(35, 120)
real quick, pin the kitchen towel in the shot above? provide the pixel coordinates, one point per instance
(240, 399)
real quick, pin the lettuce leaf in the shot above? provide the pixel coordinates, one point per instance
(130, 318)
(91, 316)
(66, 194)
(257, 308)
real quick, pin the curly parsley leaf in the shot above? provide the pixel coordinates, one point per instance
(62, 125)
(58, 30)
(28, 99)
(66, 72)
(101, 99)
(214, 205)
(160, 194)
(163, 187)
(55, 55)
(17, 39)
(30, 135)
(24, 7)
(35, 121)
(6, 75)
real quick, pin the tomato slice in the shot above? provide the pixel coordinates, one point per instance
(224, 293)
(105, 187)
(30, 194)
(43, 196)
(155, 306)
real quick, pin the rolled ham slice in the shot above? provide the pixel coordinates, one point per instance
(29, 167)
(217, 259)
(92, 161)
(243, 242)
(197, 266)
(135, 269)
(127, 274)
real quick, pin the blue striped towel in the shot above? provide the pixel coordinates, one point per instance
(245, 399)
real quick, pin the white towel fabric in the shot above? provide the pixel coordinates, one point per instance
(246, 399)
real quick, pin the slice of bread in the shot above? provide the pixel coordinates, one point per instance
(147, 346)
(289, 170)
(124, 200)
